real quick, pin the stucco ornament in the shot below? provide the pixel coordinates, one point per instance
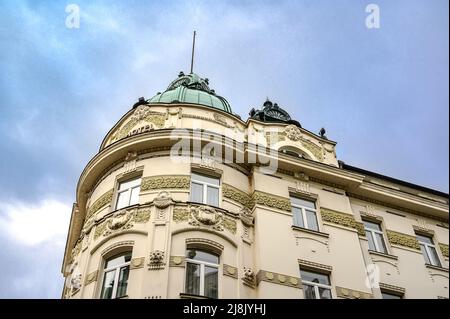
(156, 259)
(293, 133)
(246, 216)
(249, 277)
(163, 200)
(119, 219)
(205, 215)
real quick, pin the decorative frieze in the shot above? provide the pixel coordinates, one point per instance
(230, 271)
(444, 249)
(343, 219)
(122, 220)
(352, 294)
(165, 181)
(103, 200)
(136, 263)
(396, 238)
(91, 277)
(177, 261)
(180, 214)
(229, 224)
(236, 195)
(272, 201)
(279, 279)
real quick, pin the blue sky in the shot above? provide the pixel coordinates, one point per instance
(382, 94)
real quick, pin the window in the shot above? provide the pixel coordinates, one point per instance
(304, 213)
(128, 193)
(315, 285)
(389, 295)
(202, 270)
(115, 278)
(428, 250)
(375, 237)
(204, 189)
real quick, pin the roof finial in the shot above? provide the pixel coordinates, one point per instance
(192, 56)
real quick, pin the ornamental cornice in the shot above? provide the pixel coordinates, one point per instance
(165, 182)
(343, 219)
(396, 238)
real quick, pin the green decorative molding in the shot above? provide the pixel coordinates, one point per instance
(103, 200)
(229, 224)
(142, 215)
(272, 201)
(444, 249)
(165, 181)
(180, 215)
(237, 195)
(343, 219)
(405, 240)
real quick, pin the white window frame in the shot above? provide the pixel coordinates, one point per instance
(427, 246)
(116, 275)
(205, 187)
(303, 210)
(317, 285)
(202, 273)
(130, 189)
(374, 238)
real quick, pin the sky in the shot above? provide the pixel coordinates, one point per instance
(381, 93)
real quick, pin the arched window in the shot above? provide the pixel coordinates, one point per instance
(292, 151)
(115, 276)
(202, 270)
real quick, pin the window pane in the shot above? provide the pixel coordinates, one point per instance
(434, 256)
(205, 179)
(118, 260)
(424, 239)
(311, 219)
(212, 195)
(108, 284)
(134, 198)
(202, 256)
(192, 279)
(390, 296)
(315, 277)
(324, 293)
(298, 217)
(123, 199)
(130, 183)
(303, 202)
(211, 282)
(197, 193)
(371, 225)
(380, 242)
(425, 254)
(370, 239)
(123, 281)
(309, 292)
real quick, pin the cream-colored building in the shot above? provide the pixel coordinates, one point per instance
(186, 200)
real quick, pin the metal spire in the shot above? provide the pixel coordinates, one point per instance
(193, 47)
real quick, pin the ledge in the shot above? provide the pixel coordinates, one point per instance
(437, 268)
(377, 253)
(310, 231)
(192, 296)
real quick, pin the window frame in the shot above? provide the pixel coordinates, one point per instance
(130, 189)
(117, 270)
(427, 250)
(202, 265)
(374, 238)
(316, 285)
(205, 186)
(303, 210)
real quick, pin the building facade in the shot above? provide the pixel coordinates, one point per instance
(186, 200)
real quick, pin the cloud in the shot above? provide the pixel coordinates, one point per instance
(31, 225)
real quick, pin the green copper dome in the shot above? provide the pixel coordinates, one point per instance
(192, 89)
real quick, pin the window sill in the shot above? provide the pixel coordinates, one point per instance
(192, 296)
(377, 253)
(123, 297)
(436, 267)
(310, 231)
